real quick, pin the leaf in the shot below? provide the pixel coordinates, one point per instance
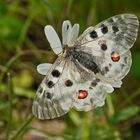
(125, 114)
(92, 132)
(136, 64)
(24, 92)
(74, 116)
(2, 7)
(10, 29)
(23, 80)
(33, 5)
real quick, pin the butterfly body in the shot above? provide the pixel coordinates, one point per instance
(87, 68)
(85, 59)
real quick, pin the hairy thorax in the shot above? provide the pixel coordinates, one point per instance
(84, 58)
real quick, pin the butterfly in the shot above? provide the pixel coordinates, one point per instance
(88, 67)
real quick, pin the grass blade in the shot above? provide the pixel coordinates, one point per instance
(11, 92)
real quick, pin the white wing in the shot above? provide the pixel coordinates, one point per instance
(121, 29)
(59, 91)
(53, 39)
(80, 83)
(109, 43)
(47, 101)
(43, 68)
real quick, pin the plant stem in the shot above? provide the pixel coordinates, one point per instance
(131, 97)
(24, 30)
(9, 63)
(111, 110)
(11, 92)
(85, 135)
(23, 127)
(70, 2)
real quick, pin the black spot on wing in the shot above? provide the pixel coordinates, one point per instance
(126, 60)
(97, 70)
(68, 83)
(55, 73)
(122, 66)
(97, 80)
(48, 95)
(115, 29)
(92, 100)
(93, 34)
(50, 84)
(104, 29)
(104, 47)
(93, 83)
(110, 20)
(106, 69)
(40, 89)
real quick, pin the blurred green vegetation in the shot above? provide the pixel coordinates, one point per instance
(23, 46)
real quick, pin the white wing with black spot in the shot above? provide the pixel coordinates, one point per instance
(64, 87)
(109, 42)
(44, 107)
(95, 64)
(122, 29)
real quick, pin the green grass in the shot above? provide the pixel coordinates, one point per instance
(23, 46)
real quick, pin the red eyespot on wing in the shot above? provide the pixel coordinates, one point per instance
(82, 94)
(115, 56)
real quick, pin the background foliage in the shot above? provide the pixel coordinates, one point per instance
(23, 46)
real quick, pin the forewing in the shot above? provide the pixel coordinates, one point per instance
(46, 104)
(121, 29)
